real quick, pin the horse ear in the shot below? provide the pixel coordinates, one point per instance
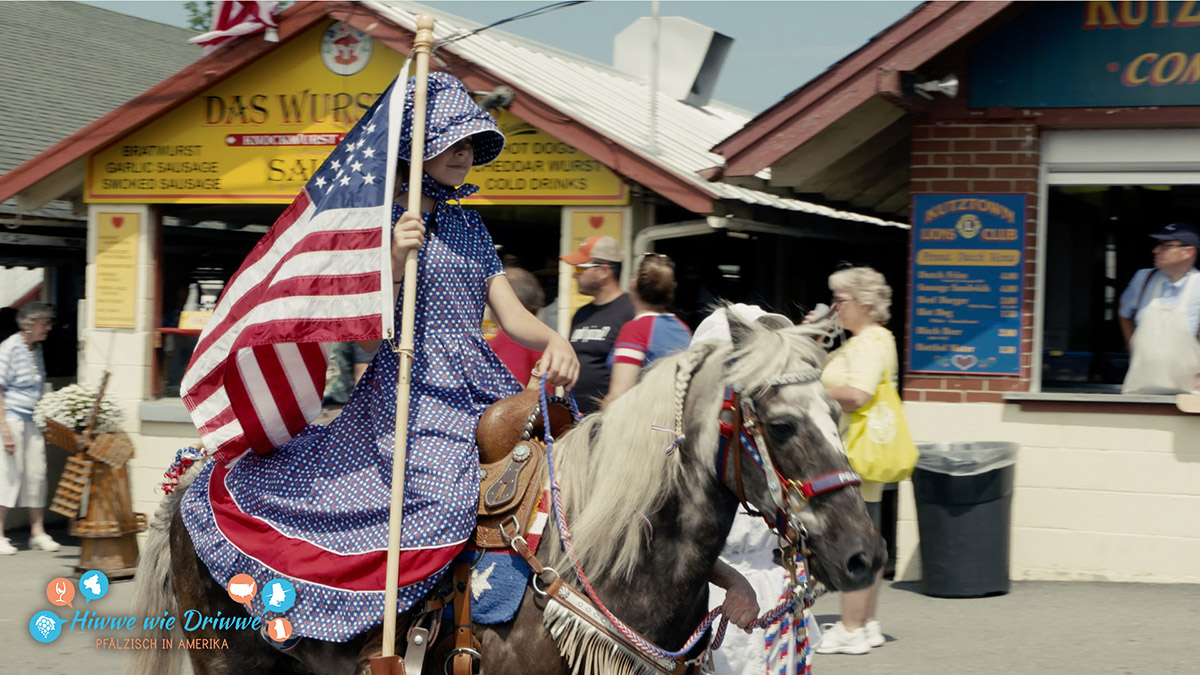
(740, 331)
(774, 321)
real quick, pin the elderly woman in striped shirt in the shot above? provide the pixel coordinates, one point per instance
(23, 463)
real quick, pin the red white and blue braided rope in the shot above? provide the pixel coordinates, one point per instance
(632, 636)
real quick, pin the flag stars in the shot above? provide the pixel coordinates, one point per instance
(357, 166)
(320, 182)
(369, 179)
(369, 153)
(345, 180)
(336, 164)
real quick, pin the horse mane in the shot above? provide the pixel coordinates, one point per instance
(614, 466)
(764, 357)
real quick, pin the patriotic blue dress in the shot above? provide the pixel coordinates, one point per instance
(315, 511)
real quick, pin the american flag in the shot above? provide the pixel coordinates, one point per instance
(232, 18)
(322, 274)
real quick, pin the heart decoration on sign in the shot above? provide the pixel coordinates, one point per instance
(964, 361)
(596, 221)
(118, 221)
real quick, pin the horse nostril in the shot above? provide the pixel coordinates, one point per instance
(859, 565)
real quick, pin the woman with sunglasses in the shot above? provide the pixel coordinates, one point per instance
(653, 333)
(862, 300)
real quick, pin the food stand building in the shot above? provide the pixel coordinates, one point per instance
(181, 181)
(1034, 146)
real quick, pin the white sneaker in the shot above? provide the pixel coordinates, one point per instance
(6, 547)
(835, 639)
(43, 542)
(874, 634)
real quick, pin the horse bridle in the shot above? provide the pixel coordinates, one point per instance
(742, 434)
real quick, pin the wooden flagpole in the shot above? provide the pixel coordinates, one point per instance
(422, 43)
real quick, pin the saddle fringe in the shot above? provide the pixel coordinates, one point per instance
(588, 650)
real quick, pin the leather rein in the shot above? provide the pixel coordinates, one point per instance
(748, 439)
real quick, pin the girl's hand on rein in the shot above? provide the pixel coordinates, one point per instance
(559, 363)
(407, 235)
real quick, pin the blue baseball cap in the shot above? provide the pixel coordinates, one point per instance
(1182, 232)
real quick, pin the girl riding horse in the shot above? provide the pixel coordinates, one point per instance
(315, 510)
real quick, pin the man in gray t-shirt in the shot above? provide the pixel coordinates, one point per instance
(595, 326)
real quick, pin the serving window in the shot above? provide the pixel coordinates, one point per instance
(1096, 239)
(196, 259)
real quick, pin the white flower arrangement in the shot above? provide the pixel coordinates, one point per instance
(72, 406)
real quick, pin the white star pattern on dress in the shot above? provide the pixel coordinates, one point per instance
(327, 490)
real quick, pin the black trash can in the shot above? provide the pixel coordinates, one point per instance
(963, 493)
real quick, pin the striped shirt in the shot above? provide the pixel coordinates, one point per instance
(22, 373)
(649, 337)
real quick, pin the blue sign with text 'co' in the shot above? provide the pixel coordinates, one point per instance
(1081, 54)
(968, 267)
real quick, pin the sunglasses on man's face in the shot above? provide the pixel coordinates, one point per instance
(588, 266)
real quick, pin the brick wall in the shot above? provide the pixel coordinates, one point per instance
(975, 158)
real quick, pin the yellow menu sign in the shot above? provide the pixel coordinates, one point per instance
(258, 136)
(536, 168)
(255, 137)
(116, 270)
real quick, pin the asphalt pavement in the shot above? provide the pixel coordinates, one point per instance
(1040, 627)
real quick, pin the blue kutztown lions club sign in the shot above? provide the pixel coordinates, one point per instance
(968, 257)
(1075, 54)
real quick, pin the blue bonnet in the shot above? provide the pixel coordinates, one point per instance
(451, 116)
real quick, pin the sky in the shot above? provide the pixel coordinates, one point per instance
(778, 46)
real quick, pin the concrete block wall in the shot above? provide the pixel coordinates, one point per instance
(1096, 497)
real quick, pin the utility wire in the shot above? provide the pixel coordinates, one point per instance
(525, 15)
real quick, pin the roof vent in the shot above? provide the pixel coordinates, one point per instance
(689, 61)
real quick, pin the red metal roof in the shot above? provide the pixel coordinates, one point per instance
(871, 71)
(226, 61)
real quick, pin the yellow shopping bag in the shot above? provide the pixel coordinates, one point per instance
(877, 441)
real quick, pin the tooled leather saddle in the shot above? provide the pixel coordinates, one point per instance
(512, 463)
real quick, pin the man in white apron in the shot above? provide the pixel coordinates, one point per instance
(1160, 317)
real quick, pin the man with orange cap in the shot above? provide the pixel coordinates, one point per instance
(594, 327)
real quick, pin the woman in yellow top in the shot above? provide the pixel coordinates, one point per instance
(862, 300)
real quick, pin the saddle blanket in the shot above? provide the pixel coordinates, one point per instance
(499, 576)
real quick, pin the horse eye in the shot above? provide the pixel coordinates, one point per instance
(782, 429)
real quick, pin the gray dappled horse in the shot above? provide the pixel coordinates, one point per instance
(647, 525)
